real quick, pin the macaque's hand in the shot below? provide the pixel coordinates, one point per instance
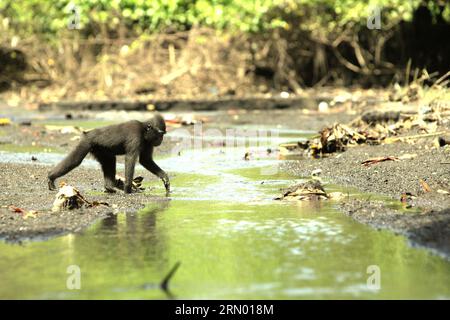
(165, 179)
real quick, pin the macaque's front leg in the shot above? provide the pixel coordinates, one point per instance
(147, 162)
(130, 162)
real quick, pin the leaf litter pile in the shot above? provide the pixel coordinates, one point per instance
(69, 198)
(374, 128)
(311, 190)
(429, 121)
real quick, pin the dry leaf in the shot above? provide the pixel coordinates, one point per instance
(425, 186)
(16, 209)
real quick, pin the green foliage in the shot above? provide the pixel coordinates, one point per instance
(51, 17)
(333, 15)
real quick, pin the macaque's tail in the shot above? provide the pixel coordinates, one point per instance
(71, 161)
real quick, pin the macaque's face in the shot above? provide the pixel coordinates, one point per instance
(155, 130)
(158, 139)
(154, 135)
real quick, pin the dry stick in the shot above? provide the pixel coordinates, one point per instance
(165, 80)
(345, 62)
(441, 79)
(408, 70)
(322, 81)
(172, 58)
(165, 283)
(358, 54)
(444, 84)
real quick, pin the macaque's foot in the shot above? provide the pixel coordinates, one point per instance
(51, 185)
(166, 181)
(109, 189)
(127, 189)
(119, 184)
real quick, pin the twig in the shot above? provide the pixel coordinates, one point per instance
(359, 55)
(165, 283)
(345, 62)
(441, 79)
(172, 76)
(407, 72)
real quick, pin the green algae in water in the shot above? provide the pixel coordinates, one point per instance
(227, 251)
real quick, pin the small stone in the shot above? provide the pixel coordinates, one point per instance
(323, 106)
(284, 94)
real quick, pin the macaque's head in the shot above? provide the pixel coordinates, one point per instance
(155, 129)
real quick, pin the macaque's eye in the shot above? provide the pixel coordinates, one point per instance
(161, 132)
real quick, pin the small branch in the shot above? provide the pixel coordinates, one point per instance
(359, 55)
(172, 76)
(438, 81)
(345, 62)
(165, 283)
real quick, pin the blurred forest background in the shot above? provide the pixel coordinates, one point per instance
(103, 49)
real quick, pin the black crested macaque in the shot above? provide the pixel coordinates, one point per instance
(134, 139)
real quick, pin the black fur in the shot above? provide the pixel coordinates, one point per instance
(134, 139)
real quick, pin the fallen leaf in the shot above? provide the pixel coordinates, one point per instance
(16, 209)
(425, 186)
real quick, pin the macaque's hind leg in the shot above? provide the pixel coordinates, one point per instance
(108, 163)
(69, 163)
